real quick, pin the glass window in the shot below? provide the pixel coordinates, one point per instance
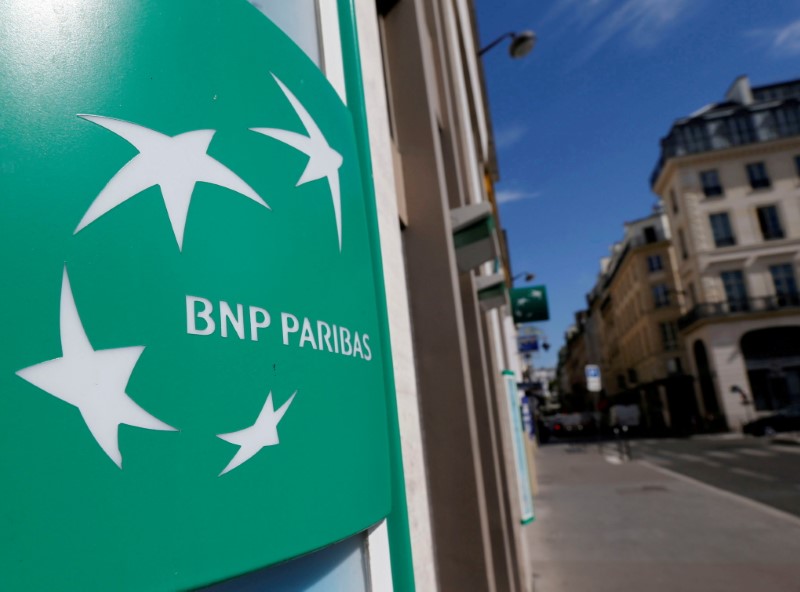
(298, 19)
(660, 295)
(673, 198)
(735, 290)
(770, 222)
(710, 182)
(740, 130)
(757, 175)
(797, 164)
(654, 263)
(785, 284)
(669, 336)
(721, 228)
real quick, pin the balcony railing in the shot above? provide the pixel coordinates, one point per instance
(739, 127)
(745, 306)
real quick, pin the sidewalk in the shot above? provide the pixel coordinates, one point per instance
(604, 527)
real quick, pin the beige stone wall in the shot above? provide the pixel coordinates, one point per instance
(397, 299)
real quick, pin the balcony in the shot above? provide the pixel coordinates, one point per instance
(737, 308)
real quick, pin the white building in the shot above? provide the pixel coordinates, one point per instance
(729, 178)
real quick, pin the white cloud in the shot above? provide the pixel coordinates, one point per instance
(509, 195)
(642, 23)
(783, 41)
(510, 135)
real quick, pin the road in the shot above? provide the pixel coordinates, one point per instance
(751, 467)
(603, 525)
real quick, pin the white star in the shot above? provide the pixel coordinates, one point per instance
(264, 432)
(174, 163)
(93, 381)
(323, 161)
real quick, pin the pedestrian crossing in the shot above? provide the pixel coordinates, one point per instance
(653, 451)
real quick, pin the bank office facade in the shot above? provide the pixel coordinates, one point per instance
(211, 285)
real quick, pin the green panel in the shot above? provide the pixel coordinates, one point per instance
(529, 304)
(166, 518)
(497, 291)
(474, 232)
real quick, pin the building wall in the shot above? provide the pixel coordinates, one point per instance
(678, 183)
(385, 181)
(431, 152)
(723, 344)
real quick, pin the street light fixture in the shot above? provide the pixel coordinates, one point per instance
(528, 276)
(521, 43)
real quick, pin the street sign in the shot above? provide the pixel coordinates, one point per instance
(593, 382)
(529, 304)
(191, 371)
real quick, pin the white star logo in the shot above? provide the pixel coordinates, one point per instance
(323, 161)
(92, 380)
(174, 163)
(264, 432)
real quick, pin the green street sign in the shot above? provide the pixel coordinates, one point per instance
(529, 304)
(191, 369)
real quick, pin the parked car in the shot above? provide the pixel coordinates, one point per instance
(785, 420)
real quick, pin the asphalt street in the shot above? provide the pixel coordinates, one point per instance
(604, 524)
(751, 467)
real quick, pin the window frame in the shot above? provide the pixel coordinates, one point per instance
(710, 183)
(736, 302)
(722, 241)
(655, 263)
(771, 227)
(762, 179)
(661, 295)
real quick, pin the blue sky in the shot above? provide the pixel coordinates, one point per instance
(577, 122)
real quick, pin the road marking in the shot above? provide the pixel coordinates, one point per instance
(725, 493)
(720, 454)
(753, 452)
(753, 474)
(792, 449)
(709, 463)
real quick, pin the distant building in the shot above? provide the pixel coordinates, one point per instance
(631, 327)
(729, 179)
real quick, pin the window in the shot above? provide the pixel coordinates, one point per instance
(770, 222)
(740, 130)
(797, 164)
(654, 263)
(669, 336)
(710, 182)
(785, 284)
(650, 235)
(633, 377)
(721, 228)
(757, 174)
(682, 241)
(674, 366)
(692, 295)
(735, 290)
(673, 198)
(660, 295)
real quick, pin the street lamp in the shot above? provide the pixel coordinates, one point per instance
(521, 43)
(528, 276)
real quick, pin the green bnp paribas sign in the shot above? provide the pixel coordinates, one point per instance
(191, 374)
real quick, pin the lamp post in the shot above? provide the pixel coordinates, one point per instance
(521, 43)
